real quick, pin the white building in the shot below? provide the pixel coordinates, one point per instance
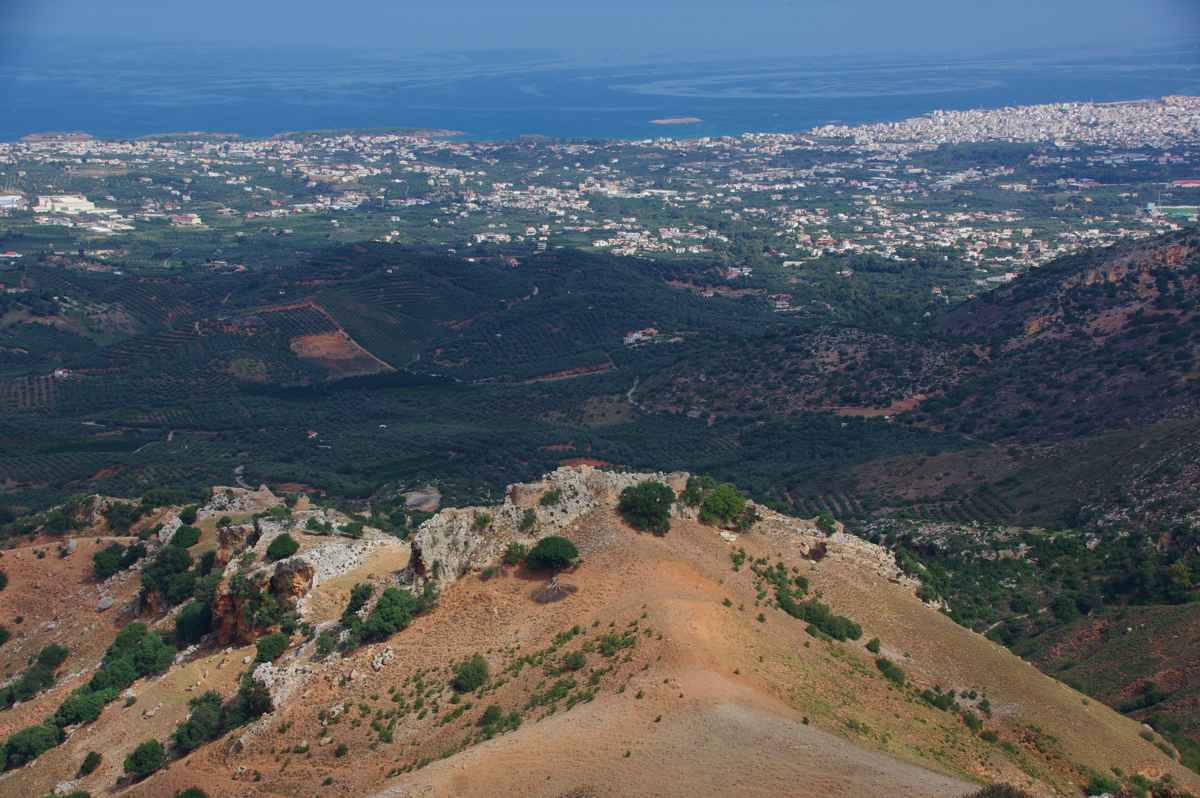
(64, 203)
(12, 202)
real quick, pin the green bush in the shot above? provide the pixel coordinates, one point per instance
(482, 521)
(283, 546)
(341, 750)
(394, 611)
(470, 675)
(191, 792)
(90, 763)
(697, 488)
(723, 505)
(145, 759)
(552, 553)
(193, 622)
(189, 514)
(647, 506)
(83, 705)
(575, 661)
(999, 791)
(359, 595)
(491, 716)
(891, 671)
(203, 723)
(114, 558)
(28, 744)
(826, 522)
(270, 648)
(817, 613)
(168, 575)
(515, 553)
(873, 645)
(551, 497)
(185, 537)
(122, 515)
(3, 580)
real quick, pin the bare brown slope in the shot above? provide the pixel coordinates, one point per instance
(709, 700)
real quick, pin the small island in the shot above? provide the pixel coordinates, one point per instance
(676, 120)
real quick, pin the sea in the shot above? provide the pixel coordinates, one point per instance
(123, 90)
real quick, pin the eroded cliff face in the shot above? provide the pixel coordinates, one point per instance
(236, 617)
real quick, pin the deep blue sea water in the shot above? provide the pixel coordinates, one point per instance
(128, 90)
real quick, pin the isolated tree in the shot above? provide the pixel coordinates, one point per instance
(552, 554)
(647, 506)
(145, 759)
(723, 505)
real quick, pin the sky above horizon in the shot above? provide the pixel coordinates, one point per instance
(748, 27)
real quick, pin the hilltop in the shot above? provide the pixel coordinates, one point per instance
(653, 663)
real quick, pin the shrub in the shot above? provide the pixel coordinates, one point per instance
(3, 580)
(528, 519)
(168, 576)
(28, 744)
(90, 763)
(482, 521)
(354, 529)
(326, 643)
(270, 648)
(999, 791)
(819, 615)
(470, 675)
(826, 522)
(107, 561)
(359, 595)
(193, 622)
(121, 515)
(491, 716)
(647, 506)
(551, 497)
(185, 537)
(203, 723)
(514, 553)
(83, 705)
(890, 670)
(189, 514)
(696, 489)
(283, 546)
(114, 558)
(723, 505)
(341, 750)
(4, 635)
(552, 553)
(191, 792)
(575, 661)
(1099, 784)
(873, 645)
(52, 656)
(145, 759)
(394, 611)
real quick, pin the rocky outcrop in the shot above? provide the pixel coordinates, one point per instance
(453, 542)
(235, 607)
(228, 500)
(231, 540)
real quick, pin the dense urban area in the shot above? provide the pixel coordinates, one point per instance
(995, 191)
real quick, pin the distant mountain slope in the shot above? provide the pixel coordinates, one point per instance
(1104, 338)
